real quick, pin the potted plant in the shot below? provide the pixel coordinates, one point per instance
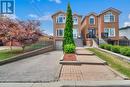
(69, 52)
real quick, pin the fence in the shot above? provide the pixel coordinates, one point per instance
(39, 44)
(124, 42)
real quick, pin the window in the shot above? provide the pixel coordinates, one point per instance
(110, 31)
(91, 20)
(75, 20)
(74, 33)
(61, 19)
(60, 32)
(109, 17)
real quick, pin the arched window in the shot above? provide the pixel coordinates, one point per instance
(109, 17)
(61, 18)
(75, 20)
(91, 20)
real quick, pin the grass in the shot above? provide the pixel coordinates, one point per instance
(5, 54)
(119, 65)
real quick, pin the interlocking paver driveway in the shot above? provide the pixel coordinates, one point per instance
(38, 68)
(87, 72)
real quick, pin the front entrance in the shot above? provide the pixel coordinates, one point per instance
(91, 33)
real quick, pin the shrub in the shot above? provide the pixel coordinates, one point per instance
(115, 49)
(127, 52)
(102, 46)
(123, 50)
(69, 48)
(108, 47)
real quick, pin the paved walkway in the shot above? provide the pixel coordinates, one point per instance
(91, 71)
(38, 68)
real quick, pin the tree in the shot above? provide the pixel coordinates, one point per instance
(68, 31)
(24, 32)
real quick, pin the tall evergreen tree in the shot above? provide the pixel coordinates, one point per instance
(68, 31)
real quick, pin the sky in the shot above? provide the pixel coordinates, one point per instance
(43, 9)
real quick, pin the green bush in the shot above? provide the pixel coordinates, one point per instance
(108, 47)
(102, 46)
(115, 49)
(127, 52)
(69, 48)
(123, 50)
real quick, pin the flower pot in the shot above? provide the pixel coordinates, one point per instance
(70, 57)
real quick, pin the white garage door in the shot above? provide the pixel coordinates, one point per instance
(59, 45)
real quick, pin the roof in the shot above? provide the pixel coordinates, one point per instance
(123, 28)
(123, 38)
(58, 13)
(109, 9)
(65, 13)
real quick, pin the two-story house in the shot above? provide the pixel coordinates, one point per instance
(103, 26)
(59, 19)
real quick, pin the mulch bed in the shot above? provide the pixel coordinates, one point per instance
(69, 57)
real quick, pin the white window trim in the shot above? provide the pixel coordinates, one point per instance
(57, 19)
(93, 18)
(76, 33)
(57, 32)
(73, 20)
(109, 19)
(109, 30)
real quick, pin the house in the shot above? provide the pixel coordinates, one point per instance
(93, 27)
(103, 26)
(124, 31)
(59, 19)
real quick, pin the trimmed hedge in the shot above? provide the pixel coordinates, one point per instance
(117, 49)
(69, 48)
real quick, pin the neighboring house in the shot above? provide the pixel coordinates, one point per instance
(125, 31)
(59, 19)
(105, 24)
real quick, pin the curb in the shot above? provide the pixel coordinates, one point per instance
(27, 54)
(80, 63)
(122, 57)
(119, 74)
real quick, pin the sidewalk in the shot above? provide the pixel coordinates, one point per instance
(93, 70)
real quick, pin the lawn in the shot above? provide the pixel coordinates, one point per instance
(113, 61)
(5, 54)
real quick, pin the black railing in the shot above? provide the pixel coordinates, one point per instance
(104, 35)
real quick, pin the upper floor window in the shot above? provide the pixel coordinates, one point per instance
(109, 17)
(60, 19)
(91, 20)
(75, 20)
(110, 31)
(60, 32)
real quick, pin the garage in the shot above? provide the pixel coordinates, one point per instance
(58, 45)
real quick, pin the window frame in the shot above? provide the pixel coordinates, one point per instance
(75, 17)
(93, 20)
(108, 17)
(58, 31)
(110, 31)
(63, 19)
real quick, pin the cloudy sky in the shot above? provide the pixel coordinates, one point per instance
(43, 9)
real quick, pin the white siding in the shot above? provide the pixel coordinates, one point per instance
(125, 32)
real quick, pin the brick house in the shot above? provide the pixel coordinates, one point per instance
(59, 19)
(103, 26)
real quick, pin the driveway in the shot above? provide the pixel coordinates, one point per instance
(42, 67)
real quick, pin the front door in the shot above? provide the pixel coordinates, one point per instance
(91, 33)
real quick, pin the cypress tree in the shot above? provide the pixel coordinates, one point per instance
(68, 31)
